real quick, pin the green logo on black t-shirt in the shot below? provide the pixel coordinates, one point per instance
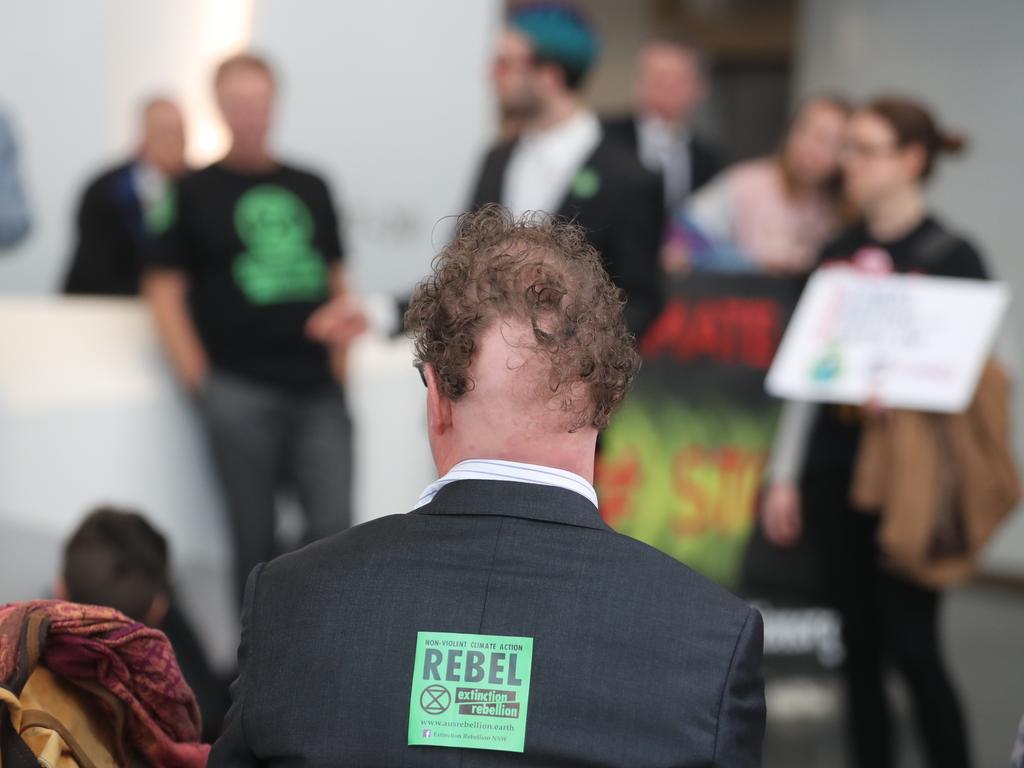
(280, 262)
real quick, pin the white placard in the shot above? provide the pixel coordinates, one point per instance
(908, 341)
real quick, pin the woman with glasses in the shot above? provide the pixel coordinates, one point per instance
(888, 155)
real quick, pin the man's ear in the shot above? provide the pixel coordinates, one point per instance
(157, 610)
(702, 89)
(549, 77)
(439, 407)
(914, 158)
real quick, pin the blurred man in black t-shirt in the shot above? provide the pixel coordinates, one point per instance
(247, 288)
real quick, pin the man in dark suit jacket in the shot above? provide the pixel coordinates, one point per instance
(670, 87)
(562, 164)
(501, 622)
(120, 205)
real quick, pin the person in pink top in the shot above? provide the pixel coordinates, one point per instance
(772, 214)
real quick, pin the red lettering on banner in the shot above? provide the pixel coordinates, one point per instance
(617, 481)
(732, 330)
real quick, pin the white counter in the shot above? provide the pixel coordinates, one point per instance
(89, 413)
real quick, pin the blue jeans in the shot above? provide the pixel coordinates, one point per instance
(264, 439)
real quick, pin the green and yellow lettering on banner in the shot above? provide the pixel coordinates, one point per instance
(681, 463)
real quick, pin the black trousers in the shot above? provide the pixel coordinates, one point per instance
(887, 622)
(263, 439)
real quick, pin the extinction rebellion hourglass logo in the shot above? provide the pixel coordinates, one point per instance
(435, 700)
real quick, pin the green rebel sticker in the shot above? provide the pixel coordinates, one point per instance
(470, 691)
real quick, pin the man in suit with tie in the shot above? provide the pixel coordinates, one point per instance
(562, 163)
(122, 205)
(670, 86)
(501, 622)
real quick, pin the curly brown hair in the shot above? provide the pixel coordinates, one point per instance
(538, 270)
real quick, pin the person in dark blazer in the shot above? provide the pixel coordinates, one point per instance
(120, 205)
(670, 87)
(563, 164)
(633, 660)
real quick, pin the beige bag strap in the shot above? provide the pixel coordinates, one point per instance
(117, 715)
(34, 718)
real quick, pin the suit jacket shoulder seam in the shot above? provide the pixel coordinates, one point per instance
(253, 667)
(490, 572)
(725, 682)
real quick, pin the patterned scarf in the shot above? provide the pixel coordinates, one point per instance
(131, 661)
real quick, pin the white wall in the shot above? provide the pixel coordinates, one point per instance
(61, 116)
(966, 60)
(390, 100)
(89, 414)
(73, 76)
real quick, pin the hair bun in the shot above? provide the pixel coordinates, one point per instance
(952, 143)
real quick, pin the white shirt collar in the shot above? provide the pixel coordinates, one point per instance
(511, 471)
(151, 185)
(580, 128)
(544, 163)
(656, 127)
(659, 145)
